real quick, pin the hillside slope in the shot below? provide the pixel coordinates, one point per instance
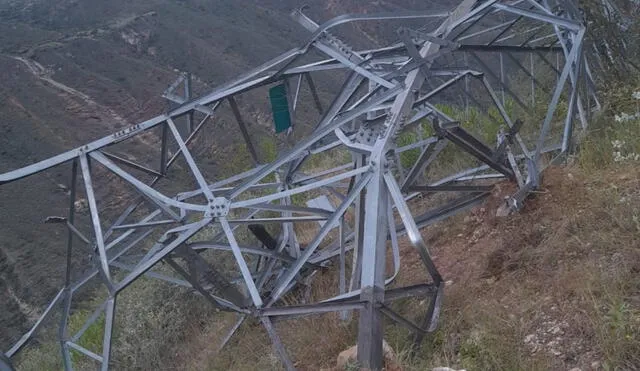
(554, 287)
(73, 71)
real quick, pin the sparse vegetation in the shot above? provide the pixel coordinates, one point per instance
(573, 249)
(409, 157)
(554, 287)
(578, 258)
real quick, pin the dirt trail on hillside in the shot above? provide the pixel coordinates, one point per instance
(45, 74)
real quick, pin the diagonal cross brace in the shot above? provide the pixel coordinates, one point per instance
(460, 137)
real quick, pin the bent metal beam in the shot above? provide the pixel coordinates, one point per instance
(409, 89)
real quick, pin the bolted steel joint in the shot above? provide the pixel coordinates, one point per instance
(218, 207)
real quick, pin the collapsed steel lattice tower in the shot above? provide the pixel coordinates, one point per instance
(456, 58)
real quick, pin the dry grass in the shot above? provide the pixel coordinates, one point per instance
(312, 342)
(555, 287)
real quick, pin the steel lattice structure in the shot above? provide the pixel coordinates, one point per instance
(386, 92)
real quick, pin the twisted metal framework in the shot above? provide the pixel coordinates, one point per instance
(387, 92)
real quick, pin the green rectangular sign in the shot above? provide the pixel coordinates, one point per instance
(280, 108)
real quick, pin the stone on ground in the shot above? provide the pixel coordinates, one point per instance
(350, 356)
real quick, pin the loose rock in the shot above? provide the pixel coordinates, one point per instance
(81, 206)
(351, 355)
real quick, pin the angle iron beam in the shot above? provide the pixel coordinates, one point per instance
(89, 321)
(154, 275)
(428, 155)
(294, 208)
(109, 313)
(318, 308)
(430, 320)
(63, 330)
(450, 188)
(243, 129)
(400, 319)
(242, 263)
(372, 279)
(252, 250)
(36, 327)
(314, 93)
(190, 138)
(411, 227)
(128, 232)
(216, 301)
(557, 93)
(348, 18)
(342, 278)
(234, 328)
(144, 225)
(503, 31)
(296, 96)
(347, 57)
(292, 271)
(92, 273)
(277, 343)
(71, 220)
(422, 99)
(73, 230)
(164, 149)
(451, 208)
(419, 290)
(190, 161)
(95, 219)
(84, 351)
(571, 107)
(505, 115)
(300, 178)
(122, 217)
(148, 191)
(359, 212)
(462, 37)
(525, 70)
(508, 48)
(334, 179)
(148, 264)
(458, 136)
(508, 90)
(418, 144)
(284, 219)
(188, 91)
(554, 20)
(330, 124)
